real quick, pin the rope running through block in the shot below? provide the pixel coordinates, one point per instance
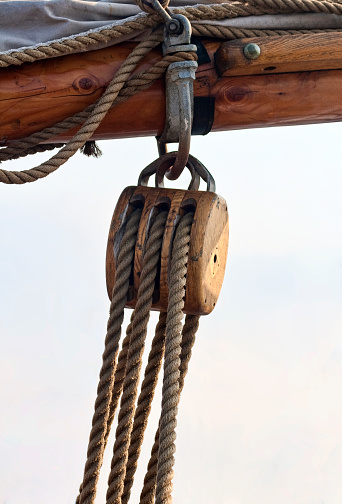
(122, 379)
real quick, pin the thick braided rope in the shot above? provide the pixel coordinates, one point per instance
(145, 399)
(20, 153)
(284, 6)
(150, 480)
(147, 5)
(19, 148)
(143, 80)
(137, 83)
(120, 373)
(226, 33)
(259, 7)
(79, 43)
(104, 391)
(171, 389)
(134, 360)
(30, 145)
(91, 123)
(188, 339)
(117, 388)
(200, 12)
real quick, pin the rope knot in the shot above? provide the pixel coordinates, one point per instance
(148, 5)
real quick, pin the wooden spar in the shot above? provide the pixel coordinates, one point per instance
(35, 96)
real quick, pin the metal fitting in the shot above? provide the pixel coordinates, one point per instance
(177, 39)
(179, 94)
(179, 111)
(252, 51)
(174, 27)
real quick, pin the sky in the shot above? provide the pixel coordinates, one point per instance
(260, 418)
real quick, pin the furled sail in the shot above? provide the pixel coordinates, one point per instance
(29, 24)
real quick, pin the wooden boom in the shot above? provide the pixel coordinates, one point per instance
(270, 90)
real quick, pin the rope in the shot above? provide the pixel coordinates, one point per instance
(30, 145)
(143, 80)
(119, 377)
(226, 33)
(188, 340)
(171, 389)
(99, 431)
(132, 28)
(124, 84)
(123, 377)
(148, 6)
(134, 360)
(94, 115)
(91, 123)
(26, 144)
(80, 43)
(117, 389)
(258, 8)
(144, 404)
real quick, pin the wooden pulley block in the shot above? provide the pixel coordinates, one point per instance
(208, 240)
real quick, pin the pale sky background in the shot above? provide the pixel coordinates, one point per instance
(261, 414)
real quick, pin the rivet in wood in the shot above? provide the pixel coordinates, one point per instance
(252, 51)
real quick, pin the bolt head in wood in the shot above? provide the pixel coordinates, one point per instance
(252, 51)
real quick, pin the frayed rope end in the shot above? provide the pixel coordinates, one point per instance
(91, 148)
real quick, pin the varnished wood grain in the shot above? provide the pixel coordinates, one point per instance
(121, 213)
(208, 244)
(37, 95)
(278, 100)
(281, 54)
(207, 254)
